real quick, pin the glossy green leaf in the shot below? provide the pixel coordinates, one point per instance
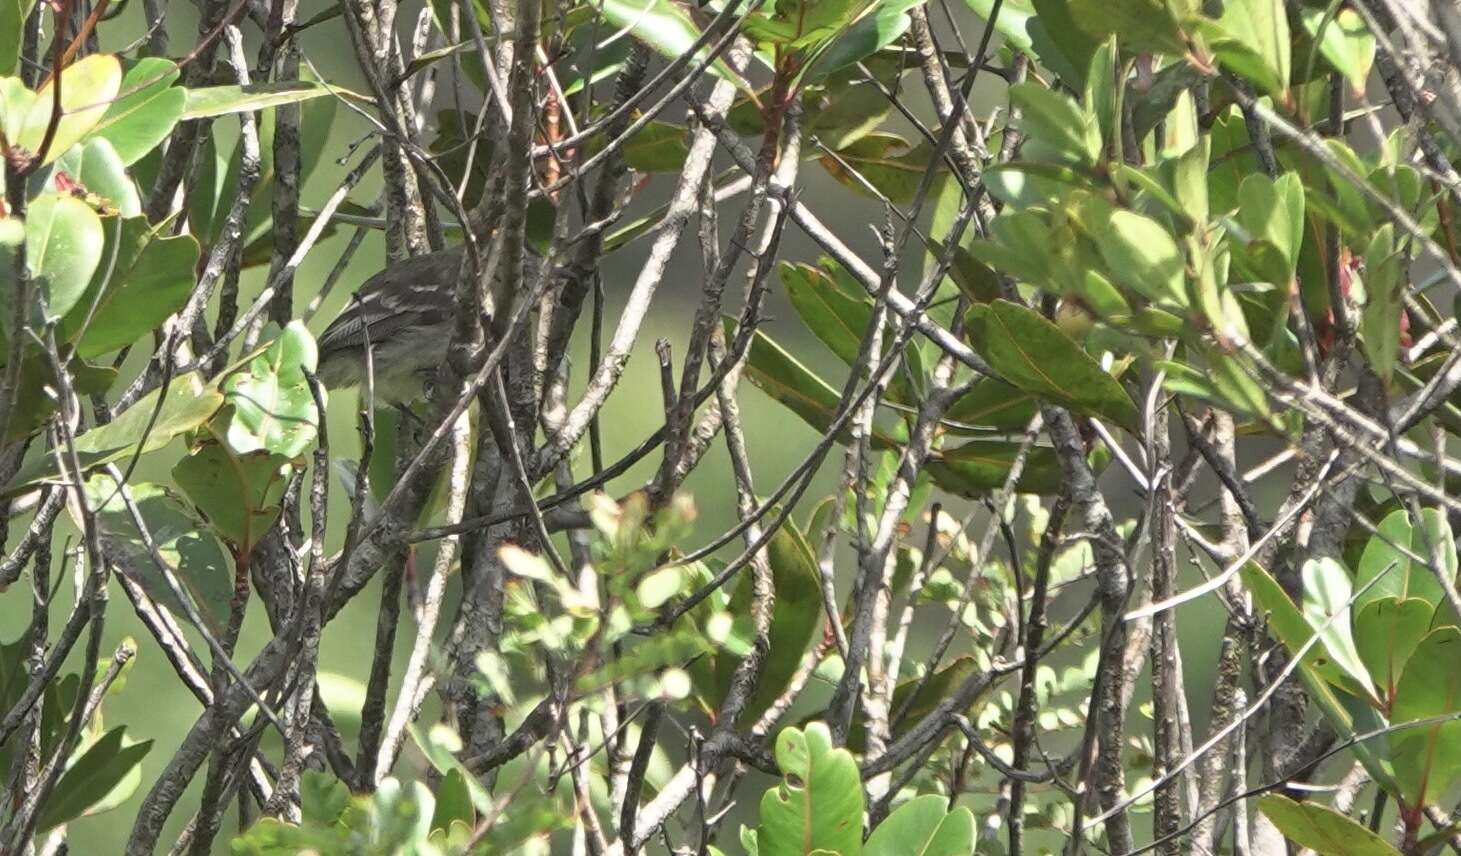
(87, 89)
(834, 317)
(150, 279)
(994, 404)
(783, 377)
(1033, 354)
(1140, 25)
(96, 166)
(1386, 631)
(1387, 555)
(1344, 40)
(1427, 759)
(63, 244)
(1327, 594)
(818, 805)
(12, 24)
(183, 543)
(1295, 628)
(924, 826)
(1252, 40)
(1319, 675)
(211, 101)
(1057, 122)
(1013, 21)
(662, 25)
(796, 620)
(147, 108)
(1273, 211)
(273, 408)
(1322, 829)
(884, 24)
(101, 776)
(1062, 44)
(237, 494)
(979, 467)
(657, 147)
(186, 406)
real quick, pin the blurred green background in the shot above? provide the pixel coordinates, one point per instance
(155, 707)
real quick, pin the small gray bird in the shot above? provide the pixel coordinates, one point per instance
(407, 311)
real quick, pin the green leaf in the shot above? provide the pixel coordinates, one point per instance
(322, 798)
(1402, 578)
(12, 25)
(211, 101)
(1385, 288)
(836, 318)
(273, 408)
(1141, 254)
(98, 168)
(1427, 759)
(994, 404)
(657, 147)
(1344, 40)
(924, 826)
(237, 494)
(796, 620)
(1288, 624)
(1139, 25)
(663, 26)
(1273, 211)
(1033, 354)
(102, 776)
(1252, 40)
(882, 26)
(1057, 122)
(151, 279)
(783, 377)
(978, 467)
(1295, 628)
(1061, 43)
(186, 406)
(182, 541)
(1327, 592)
(145, 111)
(63, 244)
(453, 802)
(87, 89)
(1386, 632)
(1321, 829)
(884, 161)
(1013, 22)
(818, 804)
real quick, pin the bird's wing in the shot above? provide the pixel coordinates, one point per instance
(415, 293)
